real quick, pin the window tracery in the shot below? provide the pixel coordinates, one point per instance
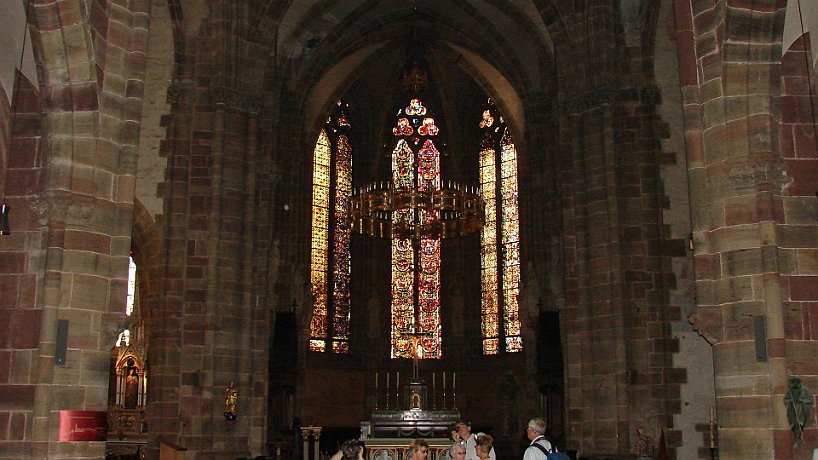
(500, 238)
(330, 255)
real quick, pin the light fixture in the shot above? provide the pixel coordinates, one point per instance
(408, 210)
(460, 209)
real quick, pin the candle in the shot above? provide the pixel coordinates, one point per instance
(454, 380)
(376, 380)
(712, 427)
(397, 379)
(387, 381)
(433, 381)
(444, 380)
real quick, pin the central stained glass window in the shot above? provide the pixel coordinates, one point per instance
(416, 329)
(414, 209)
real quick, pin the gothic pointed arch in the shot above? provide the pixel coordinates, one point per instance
(330, 257)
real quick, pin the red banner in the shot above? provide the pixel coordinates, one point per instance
(83, 425)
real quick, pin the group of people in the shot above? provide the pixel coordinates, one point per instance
(469, 446)
(466, 446)
(478, 446)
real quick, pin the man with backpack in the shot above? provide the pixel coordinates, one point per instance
(540, 448)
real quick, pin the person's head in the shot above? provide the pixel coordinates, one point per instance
(418, 449)
(352, 449)
(536, 428)
(453, 431)
(458, 450)
(463, 429)
(483, 443)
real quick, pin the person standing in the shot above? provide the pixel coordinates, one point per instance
(458, 450)
(418, 450)
(351, 449)
(539, 445)
(464, 431)
(484, 445)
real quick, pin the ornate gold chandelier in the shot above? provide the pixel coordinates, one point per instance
(420, 205)
(459, 211)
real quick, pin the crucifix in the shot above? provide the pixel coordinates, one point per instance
(416, 337)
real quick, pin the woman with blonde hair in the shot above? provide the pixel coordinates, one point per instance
(418, 450)
(483, 445)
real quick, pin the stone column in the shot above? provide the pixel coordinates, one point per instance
(313, 432)
(316, 453)
(305, 435)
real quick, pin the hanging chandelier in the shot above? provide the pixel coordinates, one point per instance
(459, 207)
(423, 206)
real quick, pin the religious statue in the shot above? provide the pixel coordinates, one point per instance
(645, 446)
(131, 389)
(416, 400)
(231, 394)
(798, 401)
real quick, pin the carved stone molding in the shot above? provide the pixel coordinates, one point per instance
(746, 176)
(233, 98)
(650, 95)
(178, 90)
(707, 321)
(63, 209)
(578, 103)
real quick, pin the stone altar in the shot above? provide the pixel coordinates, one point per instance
(414, 417)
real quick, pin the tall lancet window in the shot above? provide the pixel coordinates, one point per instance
(416, 330)
(330, 269)
(500, 240)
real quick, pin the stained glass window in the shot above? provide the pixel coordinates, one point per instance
(415, 262)
(330, 257)
(131, 299)
(131, 296)
(500, 238)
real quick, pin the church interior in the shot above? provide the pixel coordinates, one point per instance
(237, 229)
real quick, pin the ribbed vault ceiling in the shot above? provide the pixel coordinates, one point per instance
(358, 49)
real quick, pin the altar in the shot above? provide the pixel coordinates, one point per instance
(390, 430)
(412, 423)
(396, 448)
(412, 415)
(416, 412)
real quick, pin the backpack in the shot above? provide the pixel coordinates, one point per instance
(553, 455)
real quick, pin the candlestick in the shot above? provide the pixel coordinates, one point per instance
(376, 389)
(434, 393)
(387, 390)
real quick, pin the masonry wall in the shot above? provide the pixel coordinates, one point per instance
(224, 241)
(21, 277)
(745, 110)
